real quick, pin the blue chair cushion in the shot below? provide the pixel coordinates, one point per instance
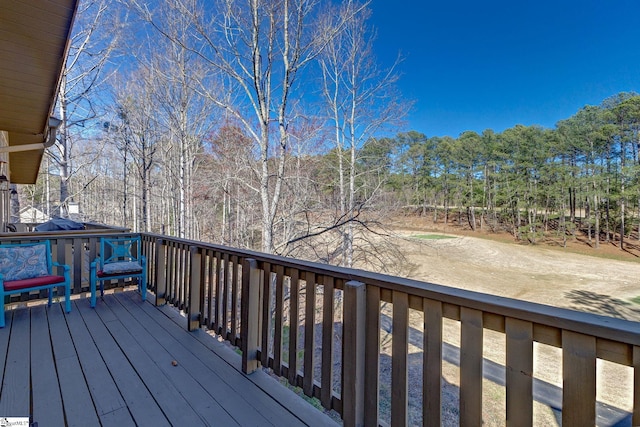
(23, 262)
(120, 268)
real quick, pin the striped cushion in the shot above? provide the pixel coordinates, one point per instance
(122, 267)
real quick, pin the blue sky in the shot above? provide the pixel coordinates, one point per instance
(472, 65)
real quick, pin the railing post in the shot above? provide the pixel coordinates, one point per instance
(635, 420)
(250, 326)
(161, 273)
(195, 278)
(354, 353)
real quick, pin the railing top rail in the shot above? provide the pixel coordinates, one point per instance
(586, 323)
(35, 235)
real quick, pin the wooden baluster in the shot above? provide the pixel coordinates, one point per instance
(519, 373)
(578, 379)
(234, 300)
(161, 273)
(278, 321)
(432, 363)
(470, 367)
(67, 252)
(178, 269)
(372, 356)
(266, 313)
(184, 277)
(210, 288)
(250, 324)
(193, 309)
(171, 273)
(309, 333)
(294, 319)
(76, 275)
(399, 359)
(225, 297)
(93, 253)
(636, 386)
(326, 392)
(219, 294)
(354, 324)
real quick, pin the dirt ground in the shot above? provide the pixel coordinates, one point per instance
(544, 273)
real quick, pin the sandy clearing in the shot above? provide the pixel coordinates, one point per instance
(530, 273)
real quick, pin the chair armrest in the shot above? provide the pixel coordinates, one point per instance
(95, 262)
(65, 267)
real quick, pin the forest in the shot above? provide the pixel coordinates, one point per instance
(272, 125)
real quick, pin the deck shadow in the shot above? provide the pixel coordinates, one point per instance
(606, 305)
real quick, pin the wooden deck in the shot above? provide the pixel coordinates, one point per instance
(112, 366)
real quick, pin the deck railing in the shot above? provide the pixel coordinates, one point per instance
(326, 329)
(319, 327)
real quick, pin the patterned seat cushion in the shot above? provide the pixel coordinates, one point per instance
(23, 262)
(121, 267)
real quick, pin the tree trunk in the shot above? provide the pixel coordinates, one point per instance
(587, 214)
(472, 218)
(596, 213)
(622, 188)
(64, 149)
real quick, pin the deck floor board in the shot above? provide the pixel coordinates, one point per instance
(112, 366)
(17, 369)
(211, 381)
(101, 385)
(172, 390)
(134, 391)
(78, 406)
(46, 406)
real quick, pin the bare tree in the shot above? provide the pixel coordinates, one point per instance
(187, 115)
(94, 38)
(360, 100)
(136, 136)
(226, 186)
(259, 47)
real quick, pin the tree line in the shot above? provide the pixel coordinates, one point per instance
(583, 175)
